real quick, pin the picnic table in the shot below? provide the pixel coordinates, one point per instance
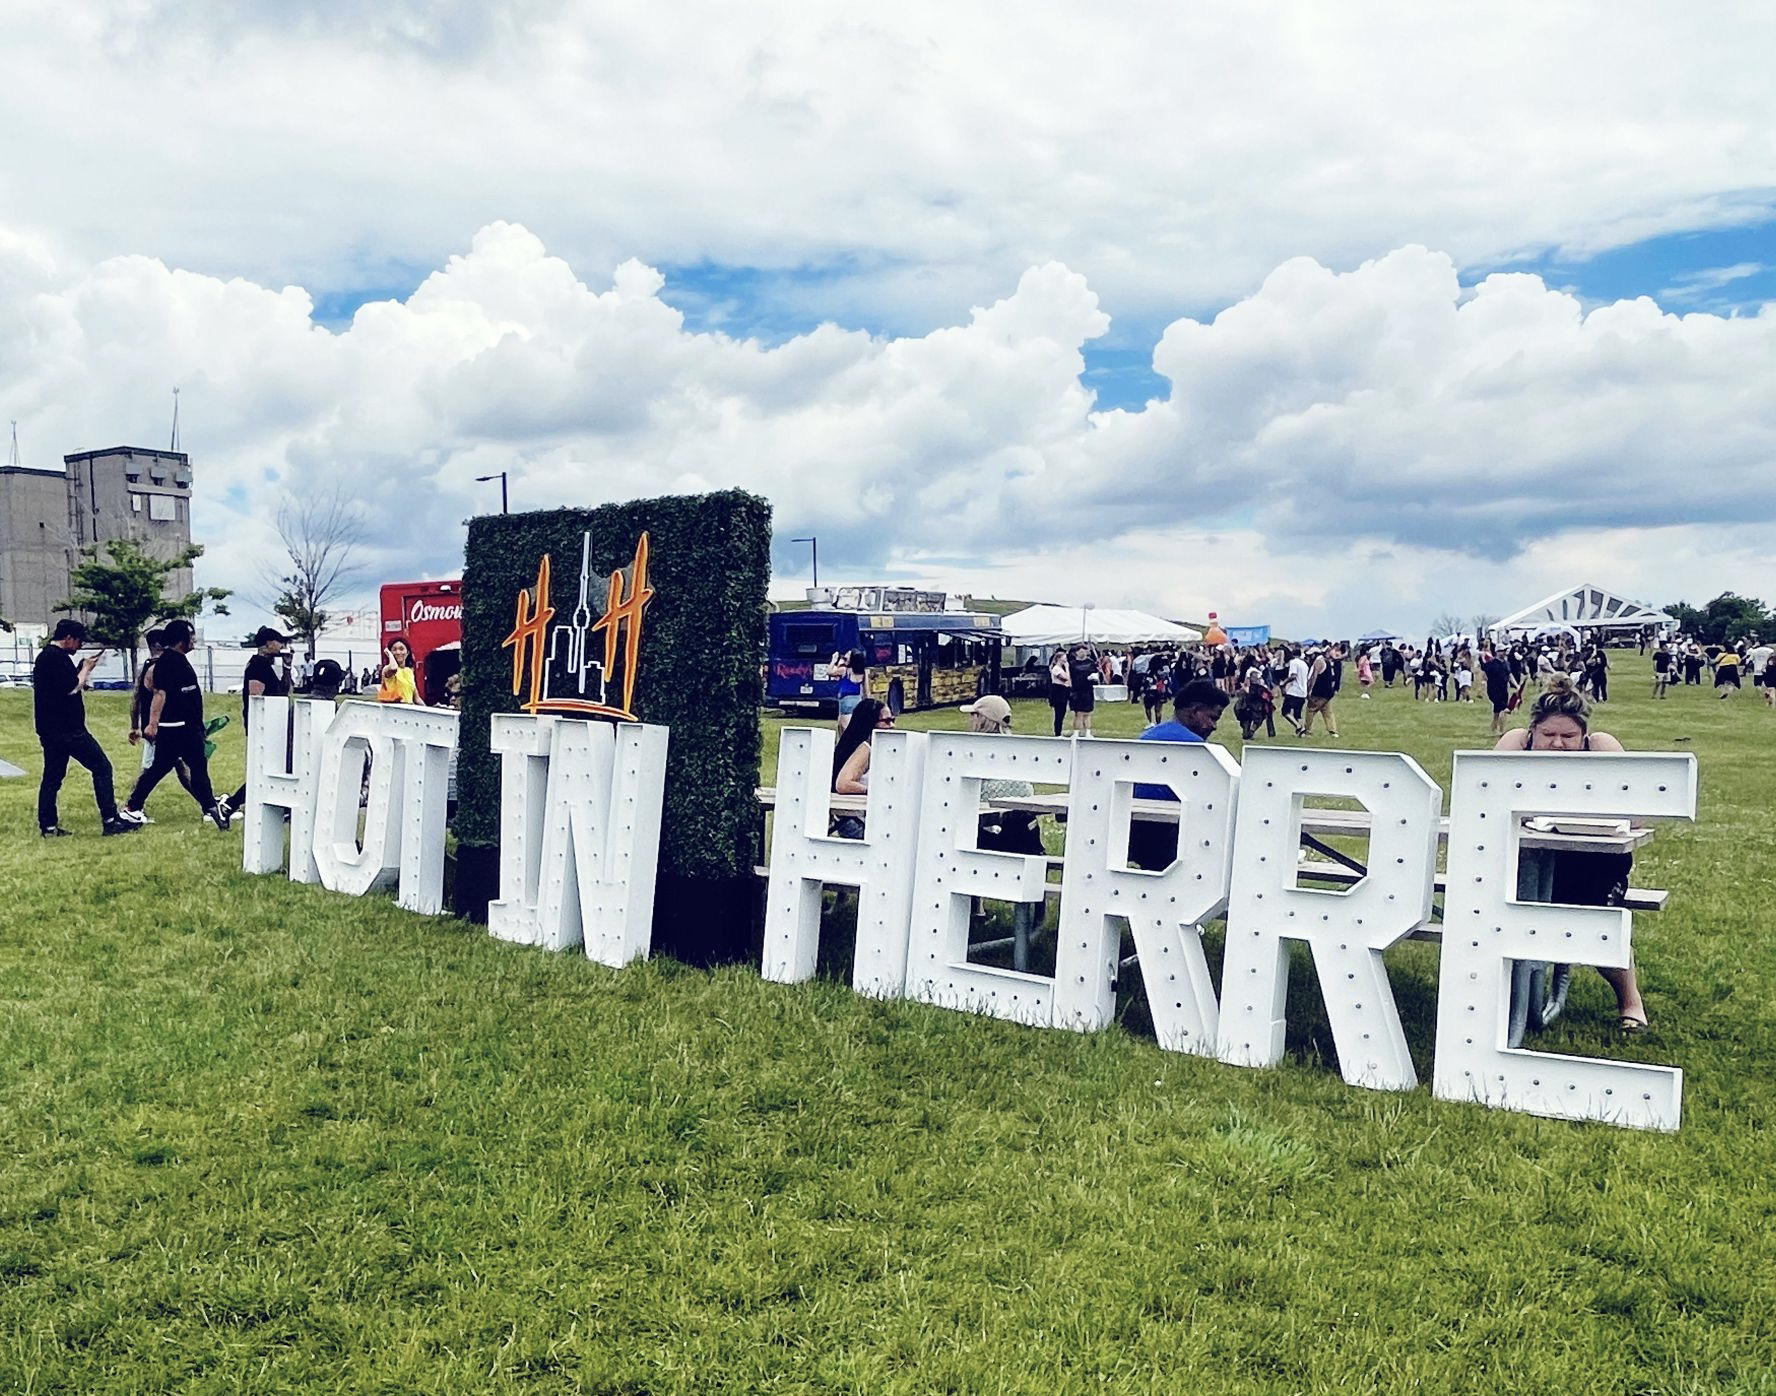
(1538, 990)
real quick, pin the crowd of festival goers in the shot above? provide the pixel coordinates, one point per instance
(1299, 682)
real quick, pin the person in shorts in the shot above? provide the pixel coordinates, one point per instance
(853, 672)
(1324, 680)
(1757, 659)
(1082, 674)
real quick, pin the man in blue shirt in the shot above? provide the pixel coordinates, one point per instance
(1195, 712)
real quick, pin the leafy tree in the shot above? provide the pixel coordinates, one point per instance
(1726, 619)
(319, 535)
(121, 596)
(1688, 618)
(1731, 618)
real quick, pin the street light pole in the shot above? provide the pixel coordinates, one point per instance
(501, 477)
(814, 549)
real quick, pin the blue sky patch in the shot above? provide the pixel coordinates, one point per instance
(1722, 271)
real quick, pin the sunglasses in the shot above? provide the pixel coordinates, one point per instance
(885, 720)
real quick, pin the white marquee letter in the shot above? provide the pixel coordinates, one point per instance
(1165, 910)
(521, 741)
(1485, 927)
(601, 839)
(879, 865)
(277, 727)
(1347, 930)
(404, 818)
(951, 871)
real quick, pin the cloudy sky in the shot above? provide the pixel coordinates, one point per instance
(1323, 316)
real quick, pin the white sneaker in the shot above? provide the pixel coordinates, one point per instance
(133, 816)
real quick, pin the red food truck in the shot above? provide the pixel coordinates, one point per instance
(428, 616)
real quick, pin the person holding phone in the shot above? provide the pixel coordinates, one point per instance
(58, 686)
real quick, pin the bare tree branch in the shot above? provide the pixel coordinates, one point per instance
(321, 534)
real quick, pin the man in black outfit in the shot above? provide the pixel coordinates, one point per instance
(140, 702)
(1498, 687)
(57, 683)
(263, 676)
(176, 727)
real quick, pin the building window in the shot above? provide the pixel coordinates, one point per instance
(160, 508)
(133, 476)
(135, 503)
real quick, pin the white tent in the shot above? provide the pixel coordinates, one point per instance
(1584, 608)
(1062, 625)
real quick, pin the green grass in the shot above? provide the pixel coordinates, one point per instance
(261, 1138)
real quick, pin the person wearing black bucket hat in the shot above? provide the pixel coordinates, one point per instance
(264, 676)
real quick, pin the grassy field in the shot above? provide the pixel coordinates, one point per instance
(261, 1138)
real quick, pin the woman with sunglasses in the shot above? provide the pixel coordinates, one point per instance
(851, 759)
(851, 754)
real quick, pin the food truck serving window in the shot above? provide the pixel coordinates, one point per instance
(809, 639)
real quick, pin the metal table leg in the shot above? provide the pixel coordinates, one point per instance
(1536, 999)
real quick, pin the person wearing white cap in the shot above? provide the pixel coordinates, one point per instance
(1007, 831)
(1012, 835)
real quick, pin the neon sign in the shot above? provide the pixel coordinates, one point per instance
(552, 666)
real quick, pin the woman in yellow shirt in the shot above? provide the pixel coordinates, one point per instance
(397, 675)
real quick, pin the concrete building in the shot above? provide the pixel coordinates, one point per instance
(46, 518)
(36, 541)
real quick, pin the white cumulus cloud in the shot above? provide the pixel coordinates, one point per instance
(1334, 444)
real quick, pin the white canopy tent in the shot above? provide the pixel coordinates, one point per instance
(1046, 626)
(1586, 608)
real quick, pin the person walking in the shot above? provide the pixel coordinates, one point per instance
(58, 686)
(1497, 673)
(1726, 671)
(1323, 682)
(1663, 661)
(139, 703)
(263, 676)
(176, 727)
(1060, 687)
(1295, 691)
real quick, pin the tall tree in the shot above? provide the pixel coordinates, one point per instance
(320, 535)
(121, 596)
(1726, 619)
(1447, 624)
(1689, 619)
(1730, 618)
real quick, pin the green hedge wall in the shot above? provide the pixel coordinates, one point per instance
(702, 641)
